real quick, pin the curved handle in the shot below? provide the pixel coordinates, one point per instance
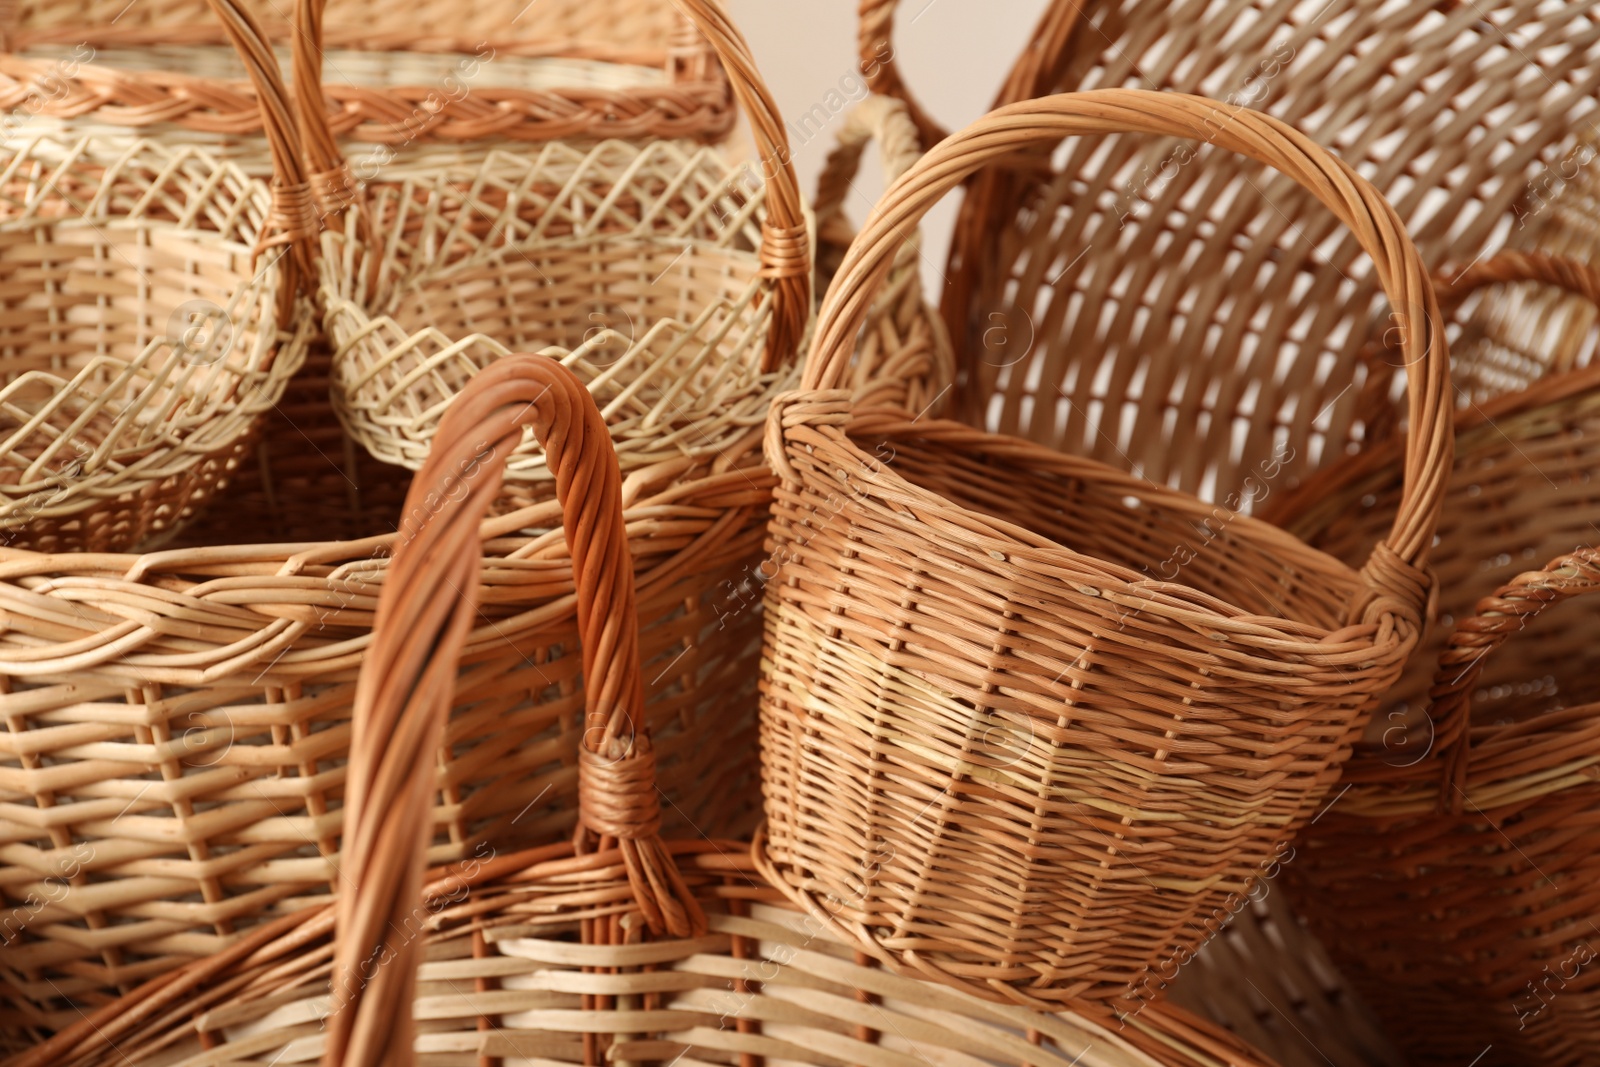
(1036, 71)
(1504, 268)
(877, 118)
(785, 252)
(1395, 581)
(1495, 619)
(428, 604)
(292, 222)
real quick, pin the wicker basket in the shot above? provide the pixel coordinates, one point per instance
(1479, 924)
(1031, 766)
(1159, 290)
(621, 948)
(418, 85)
(152, 316)
(677, 283)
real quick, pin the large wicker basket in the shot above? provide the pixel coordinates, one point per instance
(1170, 310)
(153, 313)
(620, 948)
(1030, 715)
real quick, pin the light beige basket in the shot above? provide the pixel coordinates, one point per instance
(152, 315)
(677, 282)
(619, 948)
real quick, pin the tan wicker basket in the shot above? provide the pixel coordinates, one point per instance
(184, 715)
(618, 949)
(153, 313)
(677, 282)
(414, 85)
(1033, 715)
(1160, 290)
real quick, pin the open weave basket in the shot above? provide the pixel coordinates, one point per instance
(415, 85)
(1173, 310)
(677, 282)
(1034, 715)
(153, 314)
(618, 948)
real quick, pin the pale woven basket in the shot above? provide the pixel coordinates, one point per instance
(153, 314)
(618, 948)
(1028, 714)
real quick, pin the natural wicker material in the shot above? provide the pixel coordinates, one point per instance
(904, 347)
(1267, 979)
(184, 715)
(423, 79)
(1479, 924)
(678, 283)
(1033, 715)
(616, 949)
(1159, 291)
(151, 318)
(1520, 492)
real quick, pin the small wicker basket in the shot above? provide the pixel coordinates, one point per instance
(1031, 715)
(153, 314)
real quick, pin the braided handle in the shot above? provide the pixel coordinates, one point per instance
(877, 118)
(1036, 70)
(785, 251)
(1394, 577)
(1495, 619)
(428, 605)
(291, 223)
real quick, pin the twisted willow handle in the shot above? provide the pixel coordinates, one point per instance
(427, 607)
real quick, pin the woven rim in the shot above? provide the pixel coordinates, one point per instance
(692, 101)
(785, 251)
(1357, 204)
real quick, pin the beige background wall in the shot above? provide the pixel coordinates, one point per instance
(954, 54)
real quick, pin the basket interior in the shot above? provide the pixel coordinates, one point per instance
(1219, 554)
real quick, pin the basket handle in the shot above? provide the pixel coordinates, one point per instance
(427, 606)
(291, 222)
(877, 118)
(1395, 582)
(785, 250)
(1495, 619)
(1033, 74)
(1504, 268)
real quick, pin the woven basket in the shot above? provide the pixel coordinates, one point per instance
(416, 85)
(677, 283)
(1034, 715)
(904, 354)
(152, 317)
(1479, 924)
(1520, 489)
(1182, 314)
(620, 948)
